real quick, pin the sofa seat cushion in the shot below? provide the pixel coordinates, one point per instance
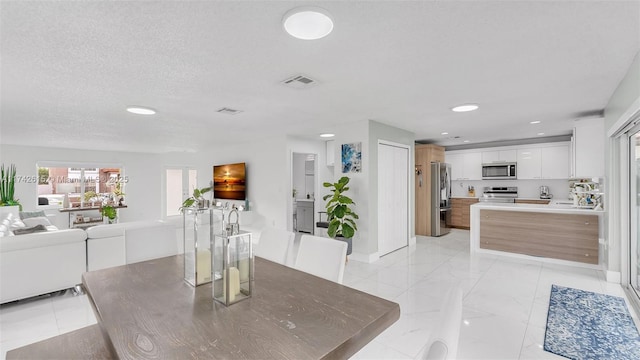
(42, 239)
(105, 231)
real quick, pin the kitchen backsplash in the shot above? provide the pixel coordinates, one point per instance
(526, 188)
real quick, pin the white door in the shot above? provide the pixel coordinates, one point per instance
(393, 197)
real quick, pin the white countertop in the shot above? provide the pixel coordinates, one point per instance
(478, 197)
(563, 209)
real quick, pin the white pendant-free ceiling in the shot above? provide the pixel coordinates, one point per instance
(307, 23)
(404, 64)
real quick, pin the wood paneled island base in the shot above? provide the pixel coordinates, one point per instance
(572, 237)
(146, 310)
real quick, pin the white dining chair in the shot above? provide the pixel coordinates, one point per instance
(443, 341)
(322, 257)
(276, 245)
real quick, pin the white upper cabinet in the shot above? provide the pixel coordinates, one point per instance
(473, 166)
(529, 163)
(588, 148)
(330, 152)
(465, 166)
(555, 162)
(457, 165)
(499, 156)
(551, 162)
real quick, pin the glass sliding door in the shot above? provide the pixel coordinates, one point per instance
(634, 211)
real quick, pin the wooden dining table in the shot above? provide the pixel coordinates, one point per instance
(147, 311)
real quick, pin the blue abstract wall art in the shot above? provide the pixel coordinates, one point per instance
(352, 158)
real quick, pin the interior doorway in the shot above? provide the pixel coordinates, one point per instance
(303, 192)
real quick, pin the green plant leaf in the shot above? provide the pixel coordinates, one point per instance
(333, 228)
(347, 231)
(188, 202)
(345, 200)
(339, 211)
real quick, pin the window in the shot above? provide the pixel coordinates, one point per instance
(179, 184)
(82, 184)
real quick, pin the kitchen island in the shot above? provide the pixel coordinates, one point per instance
(555, 233)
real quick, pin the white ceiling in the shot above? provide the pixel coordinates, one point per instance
(69, 69)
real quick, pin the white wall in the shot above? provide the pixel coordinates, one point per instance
(268, 177)
(364, 190)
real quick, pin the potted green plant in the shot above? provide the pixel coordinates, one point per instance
(341, 218)
(8, 186)
(110, 213)
(196, 198)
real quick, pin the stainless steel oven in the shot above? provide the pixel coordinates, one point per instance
(499, 194)
(499, 171)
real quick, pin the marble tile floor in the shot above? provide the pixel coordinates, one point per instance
(504, 306)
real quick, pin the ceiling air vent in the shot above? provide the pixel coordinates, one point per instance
(228, 111)
(299, 82)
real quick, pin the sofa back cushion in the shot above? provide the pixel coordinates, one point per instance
(31, 214)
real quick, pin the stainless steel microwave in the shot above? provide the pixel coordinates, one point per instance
(499, 171)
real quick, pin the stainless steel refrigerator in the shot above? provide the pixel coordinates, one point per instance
(440, 198)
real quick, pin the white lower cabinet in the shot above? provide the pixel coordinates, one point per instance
(304, 216)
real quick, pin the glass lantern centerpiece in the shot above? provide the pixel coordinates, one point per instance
(232, 259)
(198, 233)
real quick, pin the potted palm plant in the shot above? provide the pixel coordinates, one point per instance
(8, 186)
(341, 218)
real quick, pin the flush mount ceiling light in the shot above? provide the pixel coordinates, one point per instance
(307, 23)
(140, 110)
(465, 108)
(444, 133)
(540, 134)
(534, 122)
(327, 135)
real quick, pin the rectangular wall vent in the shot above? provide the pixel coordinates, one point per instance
(299, 82)
(228, 111)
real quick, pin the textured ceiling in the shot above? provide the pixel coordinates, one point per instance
(69, 69)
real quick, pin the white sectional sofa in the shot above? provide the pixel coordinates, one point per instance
(40, 263)
(127, 243)
(43, 262)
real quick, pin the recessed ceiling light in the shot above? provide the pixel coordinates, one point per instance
(540, 134)
(307, 23)
(466, 141)
(327, 135)
(444, 133)
(465, 108)
(535, 122)
(140, 110)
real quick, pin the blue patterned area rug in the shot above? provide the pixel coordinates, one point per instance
(585, 325)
